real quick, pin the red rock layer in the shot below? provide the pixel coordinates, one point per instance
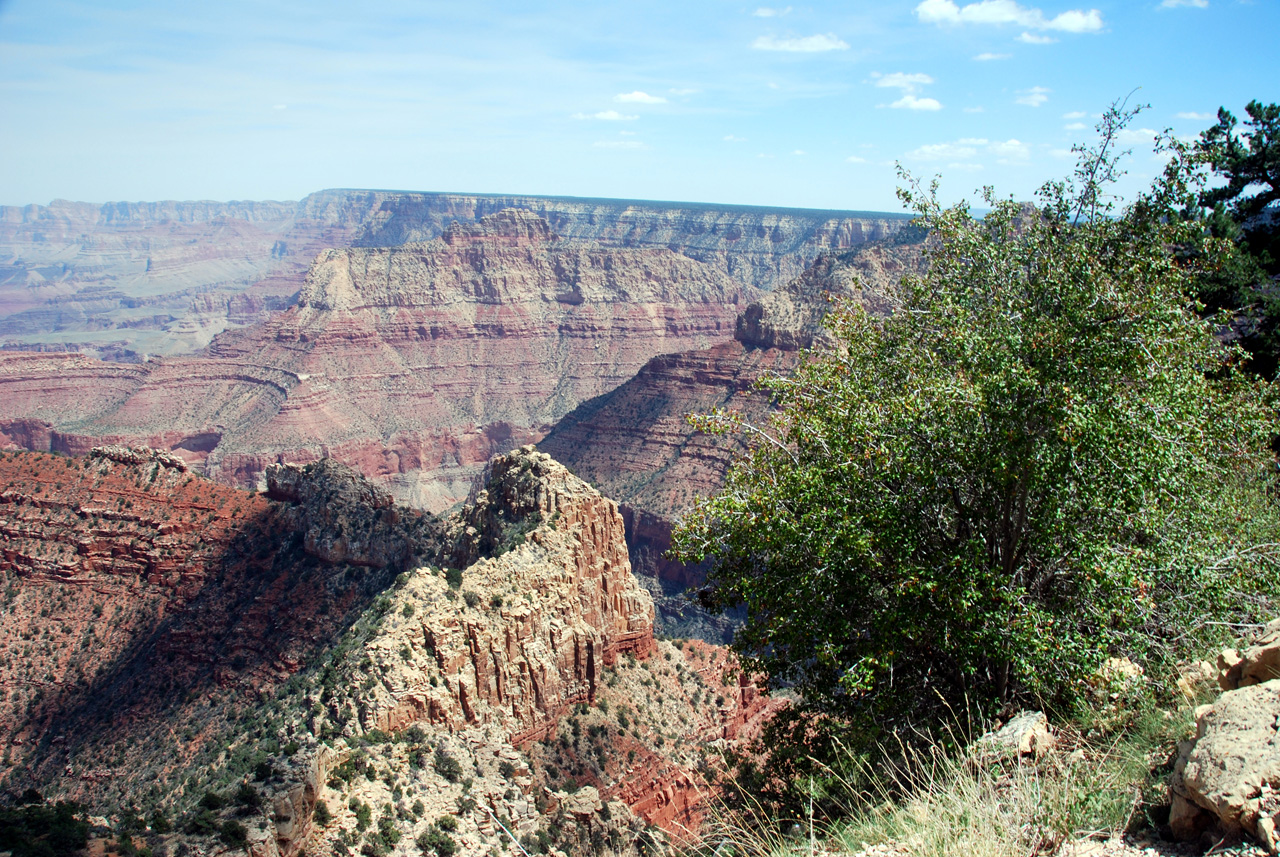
(414, 364)
(132, 586)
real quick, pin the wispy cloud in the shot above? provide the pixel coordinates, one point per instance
(959, 150)
(1033, 39)
(854, 159)
(1075, 114)
(1008, 12)
(1075, 126)
(1199, 117)
(959, 154)
(1173, 4)
(767, 12)
(799, 152)
(988, 57)
(801, 45)
(639, 97)
(910, 85)
(730, 138)
(606, 116)
(1033, 97)
(911, 102)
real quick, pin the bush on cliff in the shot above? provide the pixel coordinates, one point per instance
(1041, 459)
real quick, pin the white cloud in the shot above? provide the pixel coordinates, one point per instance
(975, 110)
(1033, 39)
(960, 153)
(1008, 12)
(682, 91)
(1009, 150)
(729, 138)
(899, 80)
(639, 97)
(1033, 97)
(911, 102)
(799, 152)
(1075, 126)
(1173, 4)
(803, 45)
(606, 116)
(1140, 136)
(854, 159)
(280, 107)
(988, 56)
(942, 152)
(1075, 114)
(1199, 117)
(766, 12)
(619, 144)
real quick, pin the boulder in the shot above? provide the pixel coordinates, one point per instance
(1026, 735)
(1228, 777)
(1260, 662)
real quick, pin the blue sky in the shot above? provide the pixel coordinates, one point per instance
(795, 105)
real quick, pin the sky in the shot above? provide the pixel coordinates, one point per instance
(799, 105)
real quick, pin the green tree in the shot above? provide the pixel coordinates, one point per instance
(1043, 457)
(1243, 210)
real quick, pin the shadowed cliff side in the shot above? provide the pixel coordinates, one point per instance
(148, 604)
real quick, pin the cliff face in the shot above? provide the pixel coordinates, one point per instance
(758, 246)
(123, 280)
(413, 363)
(636, 444)
(136, 593)
(168, 639)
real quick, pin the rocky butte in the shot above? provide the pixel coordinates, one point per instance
(281, 683)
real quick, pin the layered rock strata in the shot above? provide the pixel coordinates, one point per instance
(637, 445)
(123, 280)
(758, 246)
(413, 364)
(133, 588)
(253, 671)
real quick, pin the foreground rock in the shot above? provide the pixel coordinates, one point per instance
(1227, 780)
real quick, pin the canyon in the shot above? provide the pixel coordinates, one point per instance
(123, 281)
(638, 446)
(320, 645)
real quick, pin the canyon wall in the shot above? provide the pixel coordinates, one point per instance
(637, 445)
(126, 280)
(177, 648)
(414, 364)
(755, 245)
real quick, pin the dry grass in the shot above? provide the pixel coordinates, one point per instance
(935, 802)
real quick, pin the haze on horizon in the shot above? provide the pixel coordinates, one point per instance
(787, 105)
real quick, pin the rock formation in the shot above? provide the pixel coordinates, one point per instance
(123, 280)
(133, 587)
(413, 364)
(637, 445)
(126, 280)
(1227, 778)
(257, 662)
(761, 247)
